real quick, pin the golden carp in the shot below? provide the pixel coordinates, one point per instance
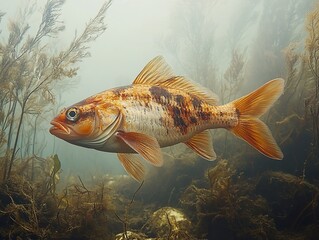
(160, 110)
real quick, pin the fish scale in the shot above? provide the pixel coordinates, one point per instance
(138, 104)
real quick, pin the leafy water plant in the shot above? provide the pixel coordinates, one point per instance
(29, 71)
(34, 210)
(234, 203)
(298, 109)
(312, 60)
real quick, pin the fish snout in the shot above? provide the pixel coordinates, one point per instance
(59, 128)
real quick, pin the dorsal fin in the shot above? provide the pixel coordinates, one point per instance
(156, 71)
(183, 84)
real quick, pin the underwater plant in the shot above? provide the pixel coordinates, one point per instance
(233, 76)
(278, 24)
(229, 87)
(124, 220)
(312, 60)
(26, 206)
(297, 129)
(224, 209)
(29, 71)
(274, 205)
(35, 210)
(191, 40)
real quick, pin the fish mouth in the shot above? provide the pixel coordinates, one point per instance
(58, 127)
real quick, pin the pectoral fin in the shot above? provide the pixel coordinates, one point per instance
(202, 144)
(133, 165)
(145, 145)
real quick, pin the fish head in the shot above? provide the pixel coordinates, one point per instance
(88, 125)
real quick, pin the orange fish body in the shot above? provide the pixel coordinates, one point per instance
(160, 110)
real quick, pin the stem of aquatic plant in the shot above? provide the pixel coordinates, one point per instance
(7, 175)
(58, 65)
(124, 222)
(11, 111)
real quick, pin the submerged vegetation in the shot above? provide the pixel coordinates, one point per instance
(240, 196)
(29, 72)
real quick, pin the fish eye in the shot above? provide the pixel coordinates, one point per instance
(73, 114)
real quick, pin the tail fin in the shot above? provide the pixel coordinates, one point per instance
(250, 108)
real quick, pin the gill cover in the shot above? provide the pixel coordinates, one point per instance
(107, 120)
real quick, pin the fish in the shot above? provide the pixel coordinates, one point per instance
(160, 109)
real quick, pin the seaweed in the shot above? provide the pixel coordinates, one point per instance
(227, 207)
(127, 208)
(278, 23)
(295, 116)
(30, 205)
(270, 206)
(230, 86)
(29, 72)
(294, 202)
(312, 102)
(36, 210)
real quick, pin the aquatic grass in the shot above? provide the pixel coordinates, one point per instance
(229, 208)
(29, 71)
(125, 220)
(299, 106)
(312, 58)
(280, 23)
(35, 210)
(230, 85)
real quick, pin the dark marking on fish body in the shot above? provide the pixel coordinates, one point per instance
(178, 120)
(204, 115)
(193, 119)
(197, 103)
(180, 100)
(221, 113)
(119, 91)
(176, 111)
(237, 112)
(158, 92)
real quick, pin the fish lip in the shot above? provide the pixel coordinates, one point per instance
(59, 127)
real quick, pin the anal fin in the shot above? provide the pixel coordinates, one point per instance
(143, 144)
(133, 165)
(202, 144)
